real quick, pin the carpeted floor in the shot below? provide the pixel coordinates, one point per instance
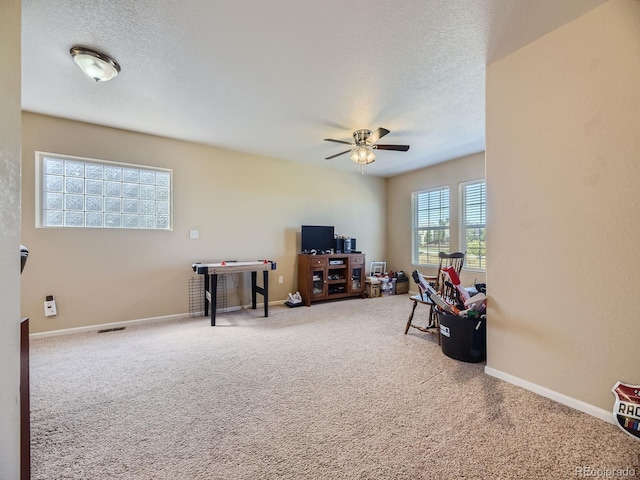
(335, 391)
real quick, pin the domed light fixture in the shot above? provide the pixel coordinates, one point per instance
(96, 65)
(362, 155)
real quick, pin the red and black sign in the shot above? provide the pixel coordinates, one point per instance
(626, 410)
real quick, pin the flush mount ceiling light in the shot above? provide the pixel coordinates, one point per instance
(94, 64)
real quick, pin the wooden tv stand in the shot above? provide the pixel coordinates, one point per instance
(327, 277)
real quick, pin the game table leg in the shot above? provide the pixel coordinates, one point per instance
(265, 291)
(213, 289)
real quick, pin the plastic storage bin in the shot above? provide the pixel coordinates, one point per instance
(463, 338)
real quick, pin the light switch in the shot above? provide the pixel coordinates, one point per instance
(194, 234)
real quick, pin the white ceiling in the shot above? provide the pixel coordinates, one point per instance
(276, 77)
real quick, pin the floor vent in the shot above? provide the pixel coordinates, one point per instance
(111, 329)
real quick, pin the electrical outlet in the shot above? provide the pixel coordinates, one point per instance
(280, 279)
(50, 309)
(193, 234)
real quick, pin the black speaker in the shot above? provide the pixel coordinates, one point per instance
(339, 245)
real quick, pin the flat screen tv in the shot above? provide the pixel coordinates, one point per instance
(317, 237)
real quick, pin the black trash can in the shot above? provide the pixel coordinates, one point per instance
(463, 338)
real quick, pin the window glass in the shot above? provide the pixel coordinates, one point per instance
(430, 225)
(77, 192)
(473, 201)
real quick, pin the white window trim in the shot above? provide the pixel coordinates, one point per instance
(415, 257)
(462, 228)
(39, 158)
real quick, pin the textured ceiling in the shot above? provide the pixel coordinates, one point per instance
(275, 77)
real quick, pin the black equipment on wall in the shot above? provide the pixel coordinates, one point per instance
(24, 253)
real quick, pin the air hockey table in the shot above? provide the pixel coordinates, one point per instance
(212, 270)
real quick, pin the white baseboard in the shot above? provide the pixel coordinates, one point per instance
(553, 395)
(92, 328)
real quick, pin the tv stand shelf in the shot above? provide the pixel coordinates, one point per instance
(327, 277)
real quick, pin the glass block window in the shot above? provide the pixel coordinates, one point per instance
(80, 192)
(430, 225)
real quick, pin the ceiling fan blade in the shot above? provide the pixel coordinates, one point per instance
(399, 148)
(377, 135)
(337, 154)
(337, 141)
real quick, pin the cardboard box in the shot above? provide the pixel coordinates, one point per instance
(372, 288)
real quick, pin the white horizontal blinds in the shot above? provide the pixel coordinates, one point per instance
(430, 225)
(94, 194)
(473, 201)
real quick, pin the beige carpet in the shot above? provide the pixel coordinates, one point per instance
(335, 391)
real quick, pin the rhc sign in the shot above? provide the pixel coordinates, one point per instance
(626, 410)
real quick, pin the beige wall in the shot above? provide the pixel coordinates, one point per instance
(399, 189)
(563, 163)
(245, 207)
(10, 239)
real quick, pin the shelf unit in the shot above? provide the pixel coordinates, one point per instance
(326, 277)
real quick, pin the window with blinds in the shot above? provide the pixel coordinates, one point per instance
(430, 225)
(85, 193)
(473, 201)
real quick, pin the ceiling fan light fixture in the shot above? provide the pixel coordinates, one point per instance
(362, 155)
(363, 145)
(96, 65)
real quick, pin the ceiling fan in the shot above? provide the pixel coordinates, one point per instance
(363, 145)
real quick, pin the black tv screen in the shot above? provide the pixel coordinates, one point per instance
(316, 237)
